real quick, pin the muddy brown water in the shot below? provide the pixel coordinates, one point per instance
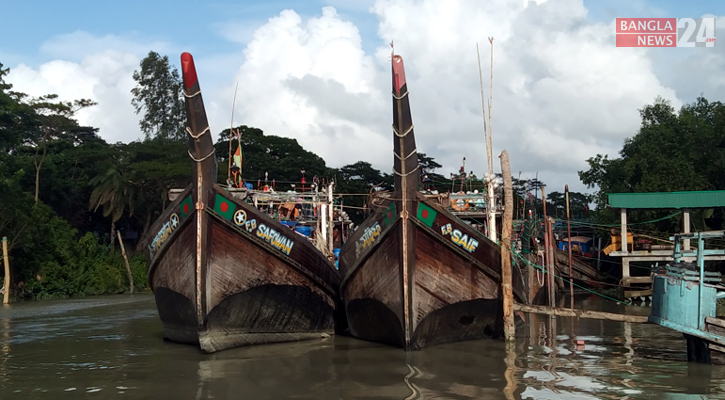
(112, 347)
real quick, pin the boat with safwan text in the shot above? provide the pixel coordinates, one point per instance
(225, 274)
(414, 275)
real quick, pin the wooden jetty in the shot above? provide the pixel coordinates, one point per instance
(685, 296)
(225, 274)
(414, 275)
(636, 286)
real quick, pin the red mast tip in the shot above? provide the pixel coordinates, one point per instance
(188, 69)
(398, 73)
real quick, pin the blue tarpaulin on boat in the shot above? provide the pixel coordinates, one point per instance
(337, 256)
(305, 230)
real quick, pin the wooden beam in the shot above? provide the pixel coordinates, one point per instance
(637, 293)
(636, 279)
(580, 313)
(6, 261)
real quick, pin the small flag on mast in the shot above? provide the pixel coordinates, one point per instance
(237, 158)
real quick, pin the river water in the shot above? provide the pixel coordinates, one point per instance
(112, 347)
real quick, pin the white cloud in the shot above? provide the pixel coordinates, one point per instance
(104, 77)
(311, 80)
(562, 91)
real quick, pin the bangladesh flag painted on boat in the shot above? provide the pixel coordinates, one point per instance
(186, 207)
(389, 214)
(426, 214)
(224, 207)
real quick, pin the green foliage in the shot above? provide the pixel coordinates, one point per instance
(578, 204)
(158, 94)
(268, 157)
(671, 152)
(360, 178)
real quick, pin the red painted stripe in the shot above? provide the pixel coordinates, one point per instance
(398, 74)
(188, 69)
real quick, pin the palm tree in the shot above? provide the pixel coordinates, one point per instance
(115, 193)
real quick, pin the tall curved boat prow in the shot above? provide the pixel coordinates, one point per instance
(413, 275)
(225, 274)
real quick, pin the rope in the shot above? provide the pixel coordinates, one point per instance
(395, 131)
(568, 281)
(401, 97)
(193, 94)
(406, 157)
(201, 159)
(628, 224)
(406, 174)
(196, 137)
(539, 267)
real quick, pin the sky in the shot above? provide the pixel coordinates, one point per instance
(319, 71)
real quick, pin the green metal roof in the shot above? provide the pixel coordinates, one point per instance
(703, 199)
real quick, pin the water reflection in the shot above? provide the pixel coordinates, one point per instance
(113, 348)
(4, 348)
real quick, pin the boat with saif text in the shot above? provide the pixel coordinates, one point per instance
(414, 275)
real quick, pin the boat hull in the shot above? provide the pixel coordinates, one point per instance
(450, 290)
(246, 290)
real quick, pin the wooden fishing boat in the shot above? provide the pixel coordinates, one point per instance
(414, 275)
(225, 274)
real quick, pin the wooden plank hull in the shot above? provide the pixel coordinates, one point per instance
(252, 292)
(413, 274)
(225, 274)
(450, 292)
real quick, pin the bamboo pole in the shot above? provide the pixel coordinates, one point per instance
(231, 132)
(552, 256)
(6, 261)
(491, 200)
(561, 312)
(508, 296)
(568, 234)
(128, 267)
(547, 254)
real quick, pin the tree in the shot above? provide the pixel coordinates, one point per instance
(115, 194)
(17, 118)
(153, 167)
(270, 157)
(427, 167)
(55, 123)
(672, 151)
(158, 94)
(578, 204)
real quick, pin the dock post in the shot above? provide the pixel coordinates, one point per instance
(623, 229)
(506, 288)
(549, 265)
(686, 228)
(552, 265)
(568, 234)
(6, 261)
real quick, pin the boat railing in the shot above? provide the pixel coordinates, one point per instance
(681, 286)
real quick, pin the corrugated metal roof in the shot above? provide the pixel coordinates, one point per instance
(699, 199)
